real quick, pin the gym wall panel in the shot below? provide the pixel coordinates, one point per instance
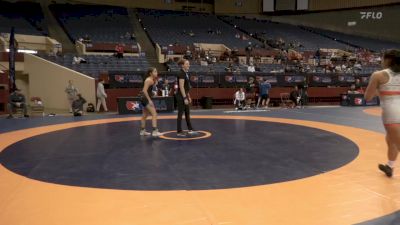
(233, 7)
(285, 5)
(342, 4)
(268, 5)
(302, 4)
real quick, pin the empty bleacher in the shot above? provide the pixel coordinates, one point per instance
(173, 27)
(289, 33)
(98, 64)
(26, 17)
(102, 24)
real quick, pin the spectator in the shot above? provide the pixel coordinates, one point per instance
(240, 99)
(250, 91)
(101, 96)
(86, 39)
(237, 35)
(77, 105)
(251, 68)
(71, 91)
(16, 100)
(218, 32)
(191, 33)
(318, 57)
(78, 60)
(165, 88)
(295, 96)
(119, 51)
(188, 54)
(210, 31)
(263, 98)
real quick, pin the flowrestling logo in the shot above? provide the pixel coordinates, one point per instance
(371, 15)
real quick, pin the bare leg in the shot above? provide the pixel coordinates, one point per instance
(153, 113)
(144, 117)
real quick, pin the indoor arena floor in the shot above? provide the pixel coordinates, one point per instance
(313, 166)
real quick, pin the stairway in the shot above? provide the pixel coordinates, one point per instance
(145, 42)
(55, 30)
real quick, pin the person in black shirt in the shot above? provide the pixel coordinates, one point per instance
(183, 98)
(16, 100)
(77, 105)
(148, 105)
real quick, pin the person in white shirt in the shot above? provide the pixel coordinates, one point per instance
(251, 68)
(71, 92)
(101, 96)
(240, 98)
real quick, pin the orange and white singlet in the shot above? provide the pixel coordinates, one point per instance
(390, 99)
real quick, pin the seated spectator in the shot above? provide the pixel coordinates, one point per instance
(353, 90)
(86, 39)
(237, 35)
(188, 54)
(165, 89)
(240, 99)
(119, 51)
(78, 60)
(77, 105)
(251, 68)
(191, 34)
(16, 100)
(295, 96)
(218, 32)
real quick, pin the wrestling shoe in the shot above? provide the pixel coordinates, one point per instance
(386, 169)
(156, 133)
(144, 133)
(192, 132)
(181, 134)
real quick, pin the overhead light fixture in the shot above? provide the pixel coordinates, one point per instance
(24, 51)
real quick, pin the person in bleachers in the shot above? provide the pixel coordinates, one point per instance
(71, 92)
(166, 88)
(78, 60)
(251, 68)
(210, 31)
(119, 51)
(101, 96)
(218, 32)
(188, 54)
(86, 39)
(16, 100)
(237, 35)
(77, 105)
(240, 98)
(191, 33)
(295, 96)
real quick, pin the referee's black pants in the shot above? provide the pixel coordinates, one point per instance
(182, 108)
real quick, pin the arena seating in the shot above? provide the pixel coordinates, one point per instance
(26, 17)
(221, 67)
(289, 33)
(361, 42)
(102, 24)
(173, 27)
(97, 64)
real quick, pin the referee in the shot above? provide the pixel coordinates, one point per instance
(183, 97)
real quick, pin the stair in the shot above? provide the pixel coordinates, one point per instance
(145, 42)
(55, 30)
